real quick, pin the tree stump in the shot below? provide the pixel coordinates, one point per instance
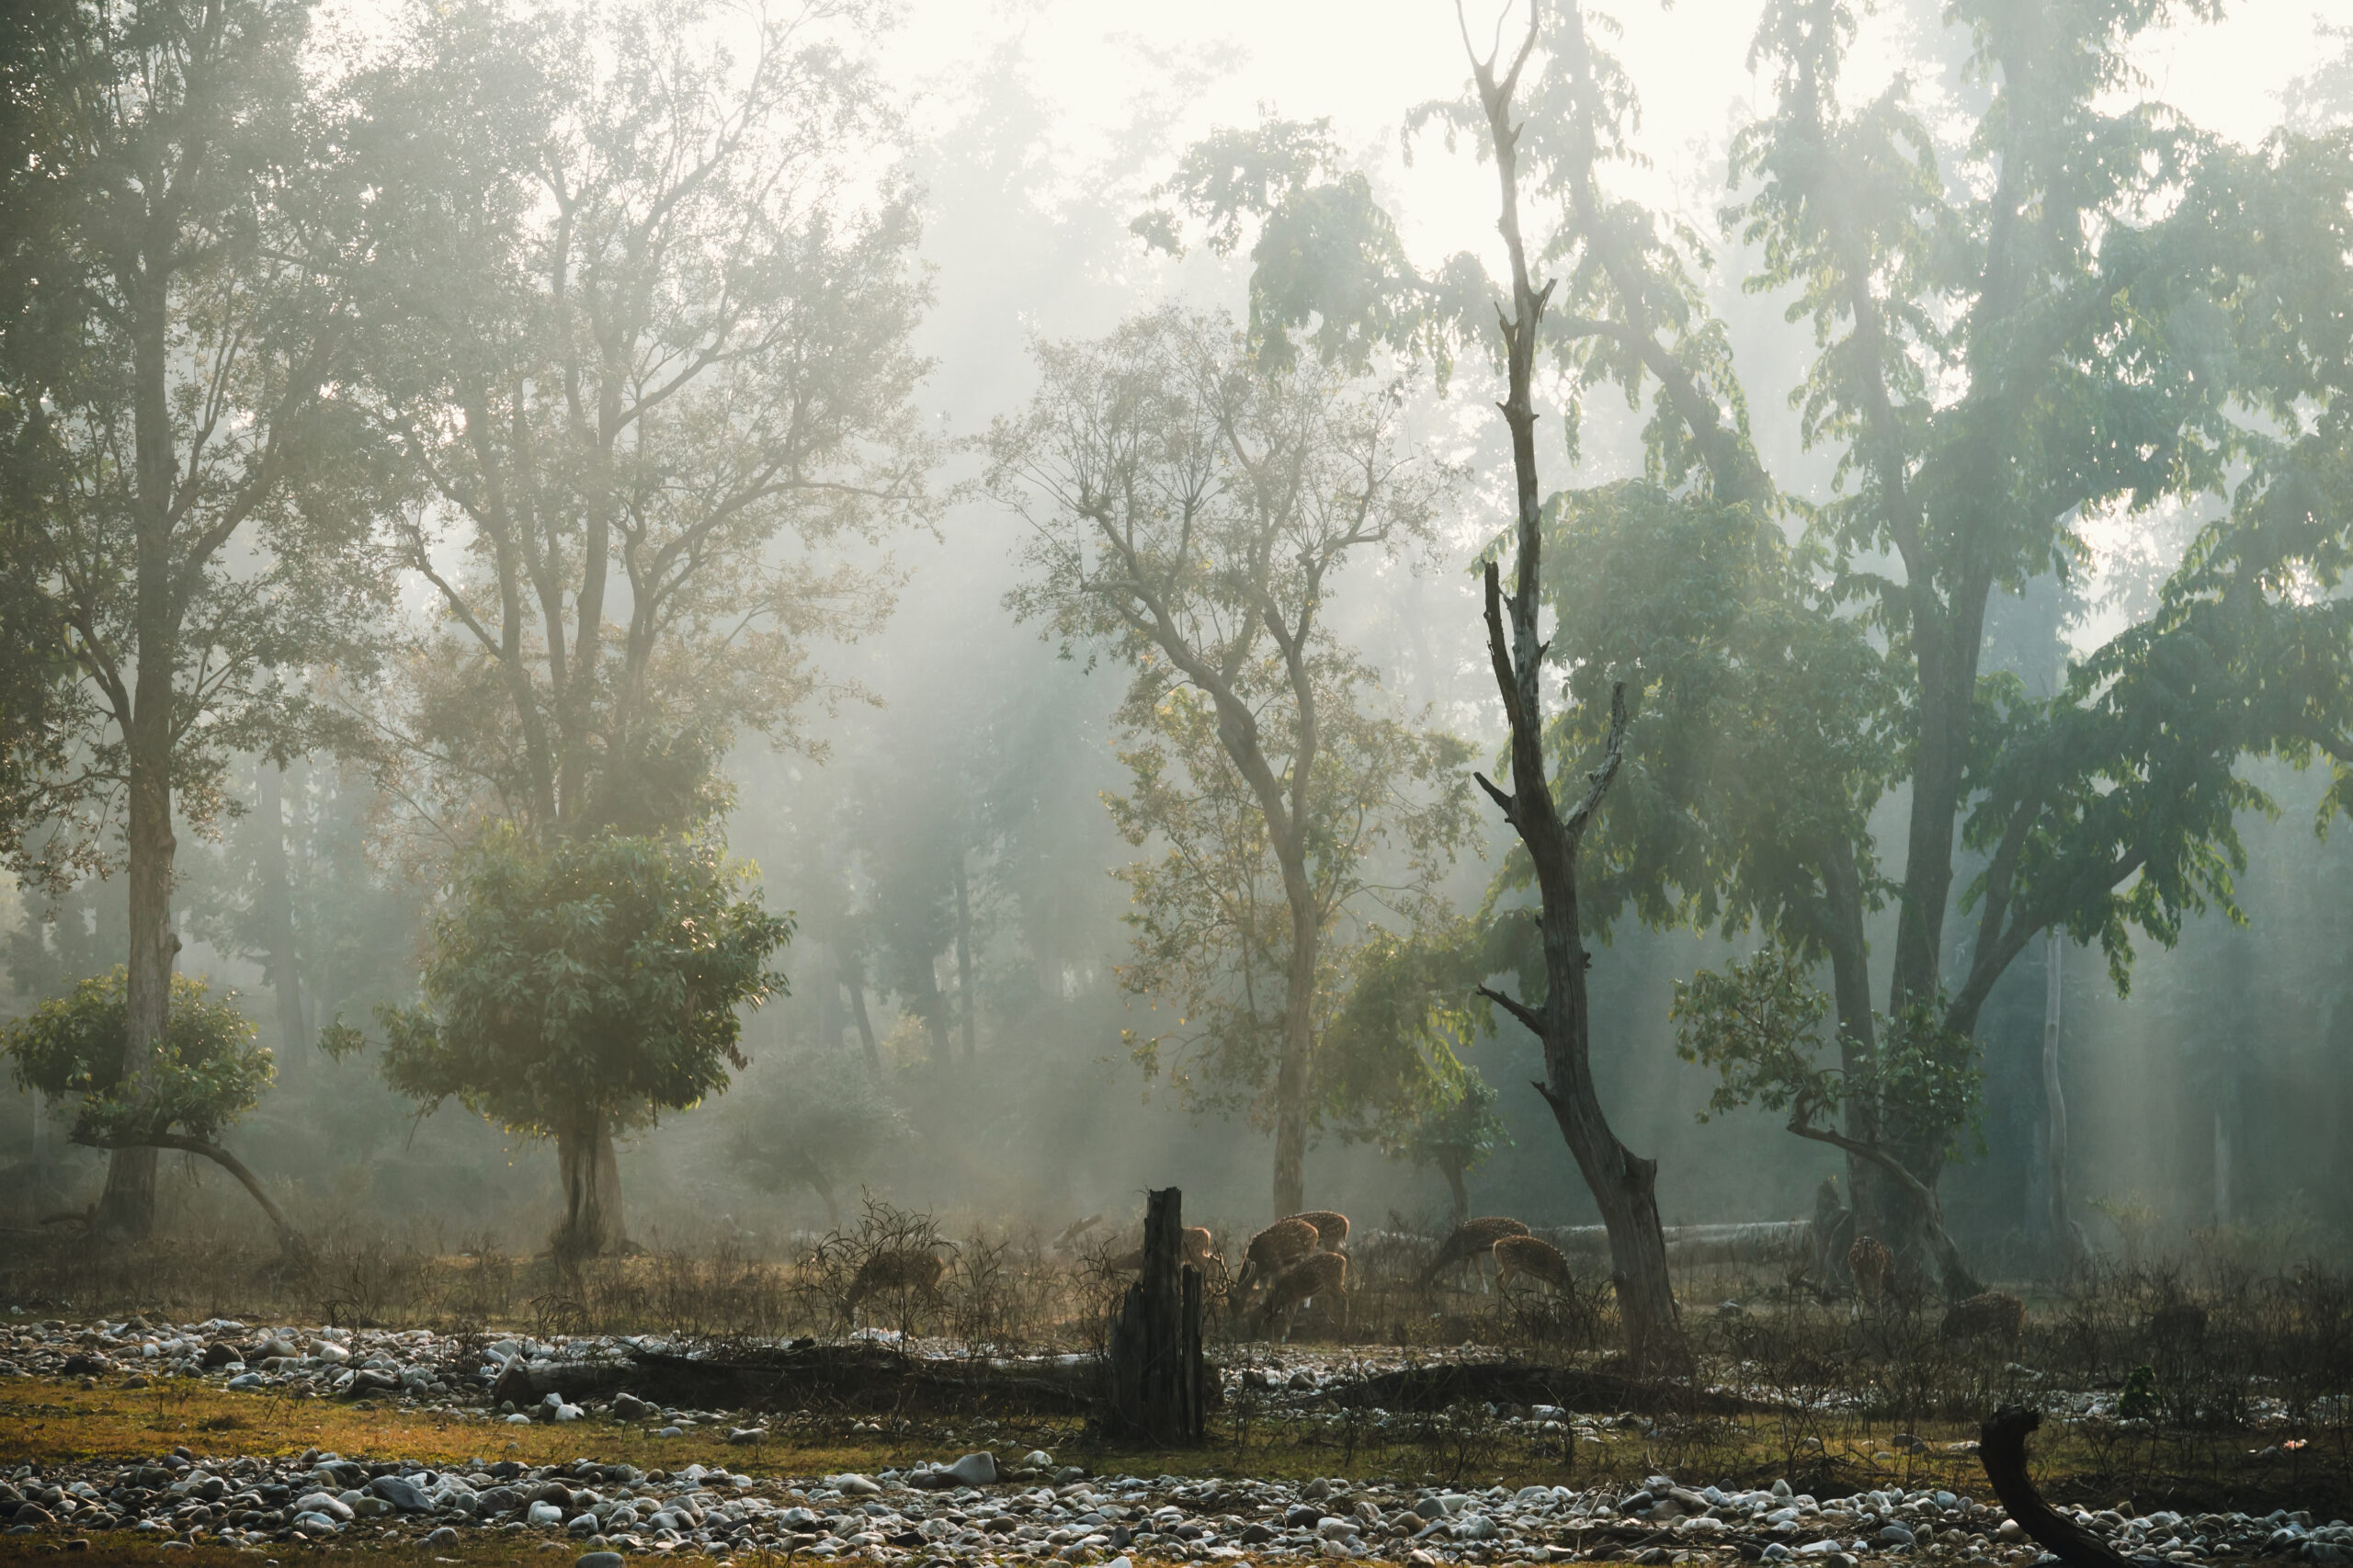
(1159, 1379)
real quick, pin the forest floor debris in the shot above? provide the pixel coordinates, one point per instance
(153, 1432)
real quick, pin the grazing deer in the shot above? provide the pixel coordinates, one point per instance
(899, 1269)
(1534, 1257)
(1868, 1262)
(1472, 1242)
(1320, 1273)
(1194, 1246)
(1331, 1228)
(1270, 1251)
(1996, 1315)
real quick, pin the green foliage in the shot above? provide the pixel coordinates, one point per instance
(640, 325)
(1193, 499)
(1759, 1027)
(173, 177)
(597, 978)
(1758, 743)
(207, 1074)
(1329, 266)
(1392, 1061)
(1213, 921)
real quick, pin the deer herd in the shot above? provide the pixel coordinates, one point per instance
(1301, 1259)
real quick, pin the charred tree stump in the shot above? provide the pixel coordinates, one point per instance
(1159, 1381)
(2001, 1448)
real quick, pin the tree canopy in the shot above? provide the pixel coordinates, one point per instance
(580, 991)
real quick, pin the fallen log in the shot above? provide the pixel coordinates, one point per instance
(2001, 1448)
(1699, 1246)
(862, 1379)
(1439, 1386)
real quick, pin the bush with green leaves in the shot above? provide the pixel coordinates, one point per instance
(1759, 1026)
(580, 990)
(207, 1074)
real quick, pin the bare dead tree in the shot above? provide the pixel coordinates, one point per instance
(1623, 1183)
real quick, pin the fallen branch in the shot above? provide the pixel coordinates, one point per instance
(2001, 1448)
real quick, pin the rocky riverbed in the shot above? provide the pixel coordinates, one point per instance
(956, 1513)
(978, 1507)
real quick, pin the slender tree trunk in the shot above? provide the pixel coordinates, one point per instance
(2065, 1238)
(1292, 1072)
(1458, 1192)
(128, 1204)
(1623, 1184)
(932, 1006)
(965, 1015)
(592, 1222)
(1850, 978)
(853, 976)
(277, 909)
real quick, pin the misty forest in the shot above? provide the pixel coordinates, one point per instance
(946, 784)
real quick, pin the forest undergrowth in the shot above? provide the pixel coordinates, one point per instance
(2209, 1377)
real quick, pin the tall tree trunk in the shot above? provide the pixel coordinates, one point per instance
(277, 909)
(2065, 1240)
(1292, 1072)
(932, 1008)
(592, 1224)
(1623, 1184)
(1457, 1191)
(128, 1204)
(965, 1016)
(1851, 979)
(853, 976)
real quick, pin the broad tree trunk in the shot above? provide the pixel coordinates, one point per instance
(1623, 1184)
(592, 1222)
(1458, 1192)
(278, 910)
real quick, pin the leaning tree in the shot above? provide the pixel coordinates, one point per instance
(207, 1076)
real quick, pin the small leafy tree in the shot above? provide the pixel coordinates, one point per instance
(834, 1124)
(1192, 507)
(206, 1076)
(1758, 1025)
(1454, 1135)
(580, 991)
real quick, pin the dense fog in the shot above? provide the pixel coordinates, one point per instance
(930, 772)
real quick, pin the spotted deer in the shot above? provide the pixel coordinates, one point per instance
(1868, 1262)
(1194, 1246)
(1534, 1257)
(1331, 1228)
(1996, 1315)
(1270, 1251)
(1473, 1242)
(918, 1269)
(1319, 1274)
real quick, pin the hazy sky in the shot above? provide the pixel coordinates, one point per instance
(1364, 62)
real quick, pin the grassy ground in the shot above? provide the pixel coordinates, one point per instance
(47, 1423)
